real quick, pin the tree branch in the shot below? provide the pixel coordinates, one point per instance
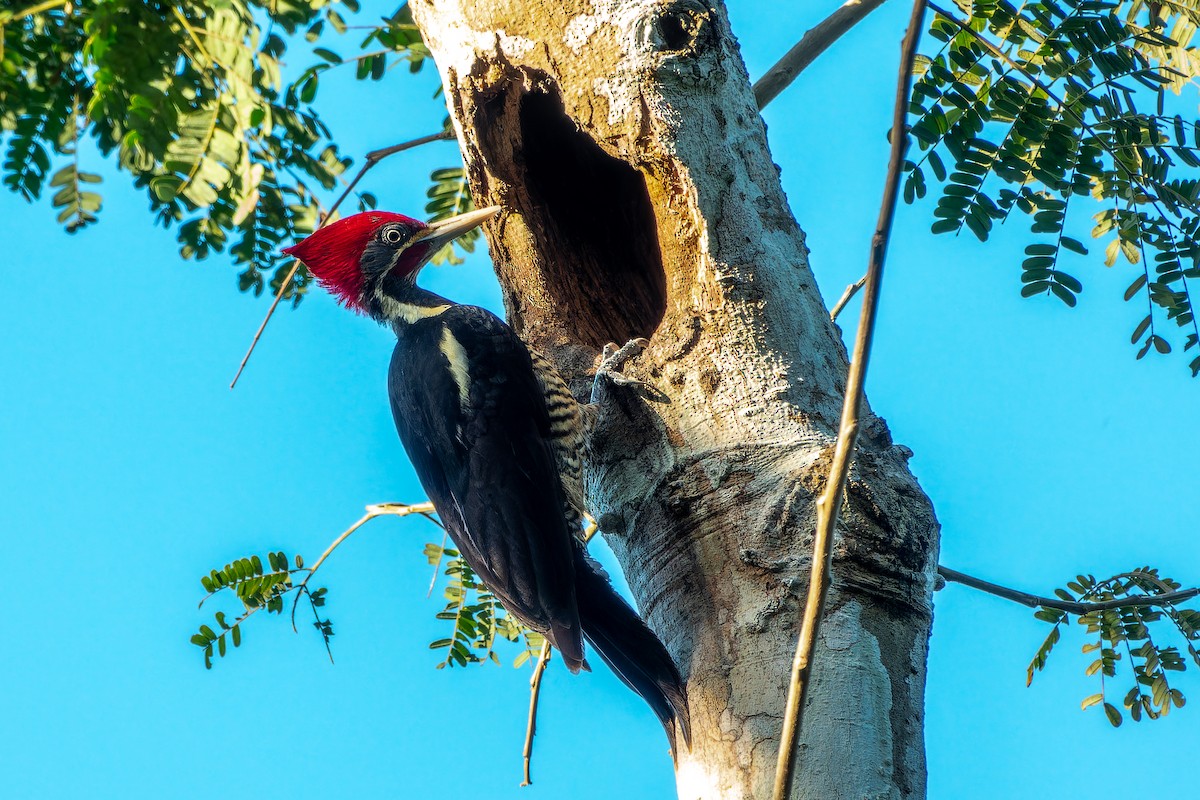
(1069, 606)
(847, 296)
(373, 158)
(814, 42)
(590, 528)
(830, 500)
(535, 689)
(437, 567)
(32, 10)
(373, 511)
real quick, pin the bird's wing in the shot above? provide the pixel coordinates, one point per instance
(473, 419)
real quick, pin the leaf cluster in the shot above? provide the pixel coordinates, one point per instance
(450, 195)
(257, 588)
(476, 616)
(189, 99)
(1124, 632)
(1027, 108)
(396, 40)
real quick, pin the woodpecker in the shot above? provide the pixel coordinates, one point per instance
(496, 440)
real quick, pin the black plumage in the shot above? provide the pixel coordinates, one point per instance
(496, 440)
(488, 465)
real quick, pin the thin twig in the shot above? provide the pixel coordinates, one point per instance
(1069, 606)
(590, 529)
(535, 687)
(373, 158)
(830, 500)
(318, 622)
(373, 511)
(847, 296)
(438, 566)
(191, 32)
(814, 42)
(37, 9)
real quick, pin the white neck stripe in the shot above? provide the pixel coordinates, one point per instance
(394, 309)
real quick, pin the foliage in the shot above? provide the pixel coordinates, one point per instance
(258, 589)
(1036, 105)
(1124, 630)
(449, 196)
(188, 98)
(477, 617)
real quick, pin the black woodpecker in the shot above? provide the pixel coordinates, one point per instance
(496, 440)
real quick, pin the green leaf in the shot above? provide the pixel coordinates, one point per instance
(935, 163)
(1064, 294)
(1133, 289)
(1068, 281)
(1074, 245)
(1140, 330)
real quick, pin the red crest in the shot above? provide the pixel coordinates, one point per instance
(333, 254)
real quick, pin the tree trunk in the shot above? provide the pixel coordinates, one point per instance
(622, 138)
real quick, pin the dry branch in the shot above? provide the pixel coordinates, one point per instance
(373, 158)
(846, 297)
(1069, 606)
(830, 500)
(424, 509)
(535, 690)
(814, 42)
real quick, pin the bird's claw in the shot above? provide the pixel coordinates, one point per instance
(612, 358)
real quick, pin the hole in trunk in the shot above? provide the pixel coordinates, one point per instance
(674, 35)
(592, 219)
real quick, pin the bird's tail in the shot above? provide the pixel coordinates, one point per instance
(630, 648)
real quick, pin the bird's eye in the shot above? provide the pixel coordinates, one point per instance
(392, 236)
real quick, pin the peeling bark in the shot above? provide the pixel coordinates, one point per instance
(623, 140)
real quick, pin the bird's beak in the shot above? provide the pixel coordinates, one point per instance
(443, 231)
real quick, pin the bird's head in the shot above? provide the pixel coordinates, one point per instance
(364, 256)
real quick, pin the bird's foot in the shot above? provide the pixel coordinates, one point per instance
(612, 358)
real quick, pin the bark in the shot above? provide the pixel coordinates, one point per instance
(623, 139)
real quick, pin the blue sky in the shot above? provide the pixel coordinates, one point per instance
(129, 469)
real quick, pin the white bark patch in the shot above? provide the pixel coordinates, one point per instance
(622, 87)
(849, 665)
(510, 45)
(693, 780)
(582, 28)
